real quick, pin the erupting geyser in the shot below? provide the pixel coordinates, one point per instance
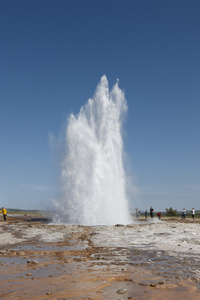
(93, 179)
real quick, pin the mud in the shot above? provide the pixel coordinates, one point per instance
(39, 260)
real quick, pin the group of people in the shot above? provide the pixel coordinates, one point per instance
(137, 211)
(184, 213)
(4, 212)
(159, 213)
(151, 211)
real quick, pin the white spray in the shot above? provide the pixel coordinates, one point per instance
(93, 177)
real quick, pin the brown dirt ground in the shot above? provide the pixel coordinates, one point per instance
(75, 269)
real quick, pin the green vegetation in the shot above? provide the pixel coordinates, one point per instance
(15, 210)
(24, 211)
(30, 212)
(171, 212)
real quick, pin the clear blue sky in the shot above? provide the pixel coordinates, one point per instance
(53, 54)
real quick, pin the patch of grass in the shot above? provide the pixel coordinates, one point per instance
(25, 211)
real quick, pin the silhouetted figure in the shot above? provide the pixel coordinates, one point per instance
(151, 211)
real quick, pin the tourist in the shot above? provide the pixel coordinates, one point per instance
(4, 212)
(193, 213)
(159, 215)
(183, 214)
(146, 214)
(151, 212)
(137, 213)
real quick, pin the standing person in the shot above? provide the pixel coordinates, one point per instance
(151, 211)
(137, 213)
(183, 214)
(193, 213)
(4, 212)
(146, 214)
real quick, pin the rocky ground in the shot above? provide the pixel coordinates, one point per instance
(144, 260)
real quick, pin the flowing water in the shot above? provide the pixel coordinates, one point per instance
(93, 178)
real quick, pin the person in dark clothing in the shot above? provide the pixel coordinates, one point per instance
(151, 212)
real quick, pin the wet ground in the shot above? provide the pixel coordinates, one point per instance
(159, 260)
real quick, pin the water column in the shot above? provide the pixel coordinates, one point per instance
(93, 188)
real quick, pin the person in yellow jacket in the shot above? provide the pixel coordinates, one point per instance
(4, 212)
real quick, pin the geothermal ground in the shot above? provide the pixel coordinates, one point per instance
(145, 260)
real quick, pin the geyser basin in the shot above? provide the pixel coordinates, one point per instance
(93, 178)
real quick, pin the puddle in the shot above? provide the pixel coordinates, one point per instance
(46, 247)
(39, 271)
